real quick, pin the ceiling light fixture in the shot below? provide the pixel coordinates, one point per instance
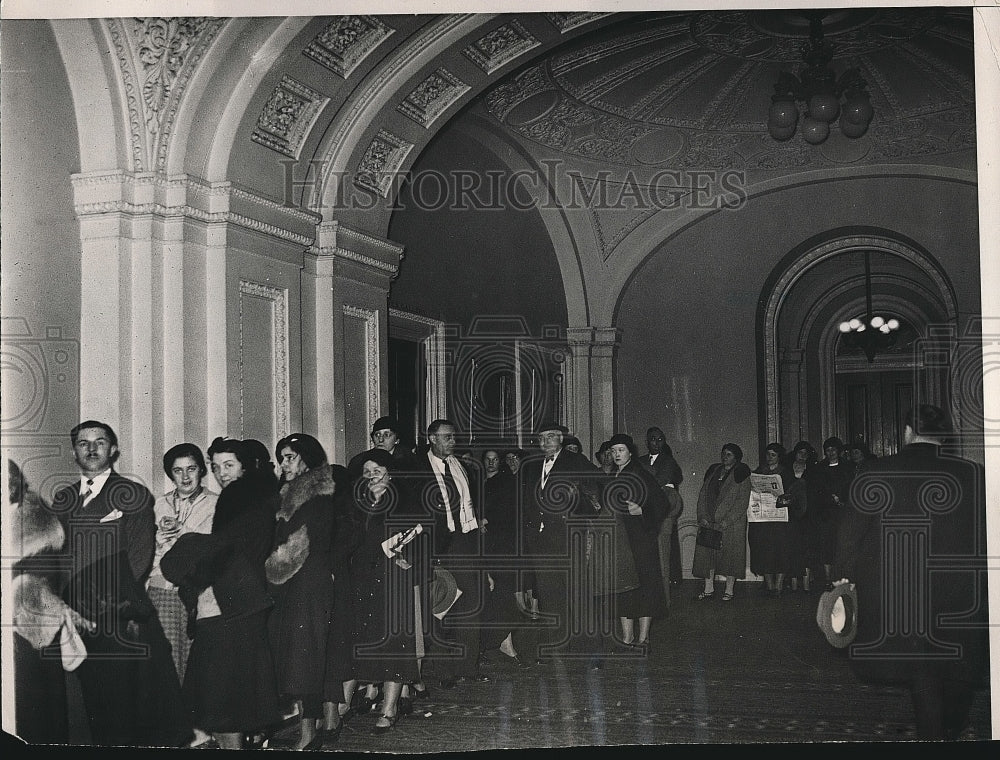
(874, 334)
(820, 94)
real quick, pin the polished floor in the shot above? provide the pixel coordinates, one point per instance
(755, 669)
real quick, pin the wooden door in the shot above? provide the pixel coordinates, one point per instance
(873, 406)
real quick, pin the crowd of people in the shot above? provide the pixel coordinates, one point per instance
(309, 597)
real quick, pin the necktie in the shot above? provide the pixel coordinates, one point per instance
(88, 494)
(451, 490)
(545, 469)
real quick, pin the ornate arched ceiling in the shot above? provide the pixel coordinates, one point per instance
(692, 89)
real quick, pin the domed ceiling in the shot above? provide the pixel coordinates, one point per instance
(693, 88)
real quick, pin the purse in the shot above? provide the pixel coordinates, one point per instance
(710, 538)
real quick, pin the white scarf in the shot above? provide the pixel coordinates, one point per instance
(466, 515)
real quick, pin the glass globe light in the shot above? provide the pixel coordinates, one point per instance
(884, 329)
(877, 322)
(851, 130)
(858, 109)
(893, 324)
(845, 327)
(814, 131)
(824, 106)
(783, 114)
(855, 323)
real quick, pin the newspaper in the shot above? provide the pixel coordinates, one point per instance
(764, 493)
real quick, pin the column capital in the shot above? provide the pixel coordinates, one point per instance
(356, 253)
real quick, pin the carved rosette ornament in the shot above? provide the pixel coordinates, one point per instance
(432, 97)
(381, 162)
(500, 46)
(157, 57)
(346, 42)
(288, 116)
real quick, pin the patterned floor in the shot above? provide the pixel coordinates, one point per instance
(756, 669)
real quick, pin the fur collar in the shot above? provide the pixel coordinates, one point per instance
(315, 482)
(36, 528)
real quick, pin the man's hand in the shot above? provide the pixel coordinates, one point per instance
(633, 508)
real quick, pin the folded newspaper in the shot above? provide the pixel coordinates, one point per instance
(764, 493)
(395, 543)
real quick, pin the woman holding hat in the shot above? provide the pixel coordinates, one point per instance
(640, 506)
(299, 572)
(722, 507)
(391, 559)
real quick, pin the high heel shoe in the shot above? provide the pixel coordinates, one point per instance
(405, 706)
(391, 719)
(316, 743)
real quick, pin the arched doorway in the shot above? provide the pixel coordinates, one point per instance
(815, 385)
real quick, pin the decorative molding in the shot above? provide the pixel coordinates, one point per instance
(566, 22)
(278, 298)
(335, 239)
(381, 162)
(371, 356)
(432, 97)
(153, 193)
(361, 110)
(288, 116)
(346, 42)
(499, 47)
(156, 58)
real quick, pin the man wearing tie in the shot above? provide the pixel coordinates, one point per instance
(660, 461)
(128, 681)
(558, 489)
(443, 487)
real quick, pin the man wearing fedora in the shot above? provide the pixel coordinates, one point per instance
(385, 435)
(913, 544)
(558, 489)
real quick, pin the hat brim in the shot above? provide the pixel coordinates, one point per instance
(444, 591)
(837, 615)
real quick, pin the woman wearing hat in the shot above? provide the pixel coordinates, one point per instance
(722, 507)
(301, 582)
(391, 559)
(640, 507)
(771, 542)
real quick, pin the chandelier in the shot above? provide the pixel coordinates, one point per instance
(874, 334)
(820, 94)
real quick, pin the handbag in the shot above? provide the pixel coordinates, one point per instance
(710, 538)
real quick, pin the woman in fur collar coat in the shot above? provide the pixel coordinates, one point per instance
(39, 615)
(300, 573)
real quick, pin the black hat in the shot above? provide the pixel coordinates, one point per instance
(553, 425)
(385, 423)
(380, 457)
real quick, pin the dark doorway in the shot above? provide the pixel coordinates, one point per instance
(872, 406)
(407, 380)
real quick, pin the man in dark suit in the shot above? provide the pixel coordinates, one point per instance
(385, 435)
(913, 543)
(559, 493)
(660, 461)
(128, 681)
(442, 485)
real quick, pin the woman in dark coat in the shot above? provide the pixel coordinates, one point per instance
(770, 542)
(390, 560)
(722, 506)
(801, 460)
(830, 484)
(634, 492)
(299, 572)
(229, 682)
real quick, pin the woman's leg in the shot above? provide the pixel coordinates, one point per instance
(710, 582)
(390, 692)
(730, 584)
(779, 583)
(307, 726)
(628, 630)
(644, 625)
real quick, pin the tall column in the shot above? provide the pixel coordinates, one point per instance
(177, 334)
(590, 389)
(345, 322)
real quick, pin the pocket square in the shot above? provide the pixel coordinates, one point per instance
(114, 514)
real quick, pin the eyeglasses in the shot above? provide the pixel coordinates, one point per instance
(382, 435)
